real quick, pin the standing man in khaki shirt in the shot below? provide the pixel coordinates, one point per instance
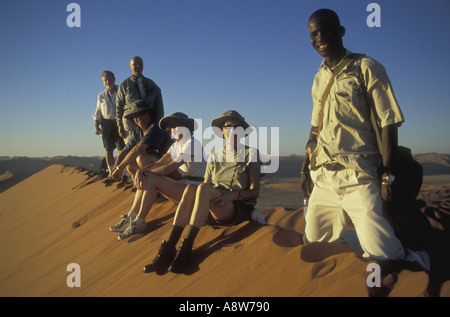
(346, 160)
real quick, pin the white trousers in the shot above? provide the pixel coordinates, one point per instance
(340, 198)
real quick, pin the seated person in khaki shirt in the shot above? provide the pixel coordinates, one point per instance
(227, 196)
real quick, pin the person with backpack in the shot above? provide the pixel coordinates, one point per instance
(341, 173)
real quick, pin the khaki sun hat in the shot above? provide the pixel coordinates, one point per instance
(178, 119)
(136, 107)
(230, 114)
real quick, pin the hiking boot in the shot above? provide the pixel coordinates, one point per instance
(182, 259)
(108, 181)
(133, 228)
(121, 225)
(127, 179)
(102, 175)
(162, 260)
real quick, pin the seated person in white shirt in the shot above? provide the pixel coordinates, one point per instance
(185, 156)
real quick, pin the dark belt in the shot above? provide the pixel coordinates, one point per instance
(334, 166)
(193, 178)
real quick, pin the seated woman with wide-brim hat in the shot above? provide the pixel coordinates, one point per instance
(185, 157)
(226, 198)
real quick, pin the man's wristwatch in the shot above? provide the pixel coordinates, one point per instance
(389, 178)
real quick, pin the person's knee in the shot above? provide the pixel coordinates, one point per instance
(143, 160)
(391, 251)
(190, 190)
(204, 189)
(140, 160)
(152, 180)
(201, 186)
(129, 170)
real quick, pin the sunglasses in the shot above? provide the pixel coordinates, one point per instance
(230, 126)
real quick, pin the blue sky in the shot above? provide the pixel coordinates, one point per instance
(209, 56)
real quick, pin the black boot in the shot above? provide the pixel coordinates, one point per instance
(162, 260)
(183, 258)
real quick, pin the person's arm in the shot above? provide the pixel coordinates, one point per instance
(254, 174)
(120, 105)
(128, 158)
(97, 117)
(115, 173)
(164, 166)
(305, 178)
(389, 141)
(250, 194)
(97, 128)
(253, 191)
(380, 96)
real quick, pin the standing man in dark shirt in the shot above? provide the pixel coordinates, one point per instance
(135, 88)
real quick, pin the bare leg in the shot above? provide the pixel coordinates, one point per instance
(137, 201)
(157, 183)
(110, 159)
(204, 195)
(167, 250)
(142, 161)
(184, 209)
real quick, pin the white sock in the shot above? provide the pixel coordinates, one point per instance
(132, 215)
(138, 221)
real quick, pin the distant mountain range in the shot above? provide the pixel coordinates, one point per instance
(15, 169)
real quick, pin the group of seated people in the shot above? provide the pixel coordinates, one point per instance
(220, 191)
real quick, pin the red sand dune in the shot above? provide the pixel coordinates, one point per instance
(61, 215)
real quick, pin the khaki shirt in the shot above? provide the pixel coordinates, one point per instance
(347, 136)
(233, 172)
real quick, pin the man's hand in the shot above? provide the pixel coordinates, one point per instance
(140, 179)
(306, 184)
(116, 174)
(98, 130)
(386, 192)
(225, 198)
(386, 189)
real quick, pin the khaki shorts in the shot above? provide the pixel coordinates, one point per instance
(242, 212)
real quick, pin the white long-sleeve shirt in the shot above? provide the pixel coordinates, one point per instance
(106, 106)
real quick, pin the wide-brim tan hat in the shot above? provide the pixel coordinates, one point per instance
(136, 107)
(231, 114)
(178, 119)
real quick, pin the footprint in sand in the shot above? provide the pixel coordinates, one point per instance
(323, 268)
